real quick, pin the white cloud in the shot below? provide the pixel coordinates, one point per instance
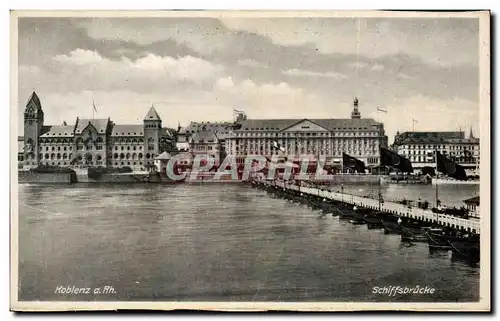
(307, 73)
(251, 63)
(80, 57)
(149, 67)
(269, 100)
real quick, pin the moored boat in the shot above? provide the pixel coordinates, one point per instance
(439, 241)
(468, 249)
(391, 226)
(413, 234)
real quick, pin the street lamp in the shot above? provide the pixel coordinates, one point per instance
(342, 192)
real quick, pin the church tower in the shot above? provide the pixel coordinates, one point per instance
(355, 114)
(33, 124)
(152, 136)
(471, 135)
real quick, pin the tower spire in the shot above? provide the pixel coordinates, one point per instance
(471, 135)
(355, 112)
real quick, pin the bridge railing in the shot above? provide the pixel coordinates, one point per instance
(395, 208)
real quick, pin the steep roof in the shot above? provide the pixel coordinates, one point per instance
(330, 124)
(34, 100)
(163, 156)
(168, 132)
(221, 127)
(204, 137)
(152, 114)
(127, 130)
(99, 124)
(59, 131)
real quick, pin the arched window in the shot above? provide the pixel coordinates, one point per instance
(88, 144)
(29, 145)
(141, 141)
(151, 143)
(47, 156)
(52, 156)
(140, 155)
(98, 143)
(79, 144)
(134, 156)
(65, 156)
(70, 156)
(128, 155)
(115, 155)
(99, 157)
(58, 156)
(122, 156)
(147, 155)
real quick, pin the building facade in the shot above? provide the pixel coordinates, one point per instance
(420, 147)
(356, 136)
(91, 142)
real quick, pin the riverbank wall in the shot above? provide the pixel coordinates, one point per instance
(26, 176)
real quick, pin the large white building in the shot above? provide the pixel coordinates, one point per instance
(419, 148)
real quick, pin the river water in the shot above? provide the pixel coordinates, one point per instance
(218, 243)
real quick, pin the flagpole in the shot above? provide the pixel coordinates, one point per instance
(380, 163)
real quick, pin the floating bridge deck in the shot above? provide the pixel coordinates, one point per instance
(470, 225)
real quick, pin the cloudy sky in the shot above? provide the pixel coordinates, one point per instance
(199, 69)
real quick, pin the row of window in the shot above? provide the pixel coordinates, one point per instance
(442, 147)
(431, 153)
(281, 141)
(99, 139)
(307, 134)
(130, 156)
(97, 163)
(90, 147)
(309, 151)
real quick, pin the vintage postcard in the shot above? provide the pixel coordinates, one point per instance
(250, 160)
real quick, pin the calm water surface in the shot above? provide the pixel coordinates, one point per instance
(219, 243)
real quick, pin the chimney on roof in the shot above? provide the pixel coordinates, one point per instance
(64, 123)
